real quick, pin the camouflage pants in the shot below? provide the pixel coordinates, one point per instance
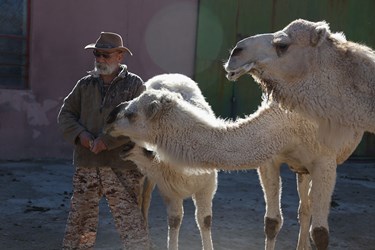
(122, 189)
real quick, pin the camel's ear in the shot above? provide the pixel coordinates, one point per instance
(319, 33)
(158, 106)
(167, 100)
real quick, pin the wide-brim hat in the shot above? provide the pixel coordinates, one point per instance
(109, 41)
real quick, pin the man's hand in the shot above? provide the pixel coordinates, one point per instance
(86, 139)
(98, 146)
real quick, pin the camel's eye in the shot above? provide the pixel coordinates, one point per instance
(281, 42)
(281, 48)
(236, 51)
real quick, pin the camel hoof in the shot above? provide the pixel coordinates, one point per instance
(271, 227)
(321, 238)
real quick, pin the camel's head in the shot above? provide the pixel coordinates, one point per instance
(284, 56)
(141, 117)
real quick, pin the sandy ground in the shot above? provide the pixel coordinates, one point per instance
(35, 203)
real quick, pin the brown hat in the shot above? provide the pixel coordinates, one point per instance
(109, 41)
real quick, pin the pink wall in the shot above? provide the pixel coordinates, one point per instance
(161, 35)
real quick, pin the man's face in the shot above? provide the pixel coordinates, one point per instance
(107, 62)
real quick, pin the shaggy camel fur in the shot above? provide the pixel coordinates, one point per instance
(308, 69)
(185, 136)
(174, 187)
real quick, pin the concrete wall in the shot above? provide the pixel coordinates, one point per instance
(161, 34)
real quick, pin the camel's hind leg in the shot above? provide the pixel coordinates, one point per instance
(175, 211)
(304, 211)
(203, 212)
(323, 178)
(269, 176)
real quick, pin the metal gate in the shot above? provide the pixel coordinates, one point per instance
(14, 43)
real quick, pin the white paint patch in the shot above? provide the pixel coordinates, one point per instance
(25, 101)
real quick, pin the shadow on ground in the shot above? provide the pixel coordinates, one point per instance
(35, 203)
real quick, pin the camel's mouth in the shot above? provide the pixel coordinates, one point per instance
(127, 150)
(124, 155)
(234, 74)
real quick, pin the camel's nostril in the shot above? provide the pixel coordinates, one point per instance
(113, 115)
(110, 119)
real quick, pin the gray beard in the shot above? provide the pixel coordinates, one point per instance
(104, 69)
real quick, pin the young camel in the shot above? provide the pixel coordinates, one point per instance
(186, 137)
(317, 73)
(175, 186)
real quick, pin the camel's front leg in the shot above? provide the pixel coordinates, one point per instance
(269, 176)
(203, 214)
(323, 178)
(145, 201)
(304, 211)
(175, 211)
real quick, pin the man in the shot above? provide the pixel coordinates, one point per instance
(99, 171)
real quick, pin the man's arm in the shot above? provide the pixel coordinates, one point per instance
(68, 117)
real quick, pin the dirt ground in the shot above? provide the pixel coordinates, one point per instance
(35, 203)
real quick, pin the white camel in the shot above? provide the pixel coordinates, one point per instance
(185, 136)
(309, 69)
(175, 186)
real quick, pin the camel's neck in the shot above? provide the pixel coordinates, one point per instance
(339, 89)
(232, 146)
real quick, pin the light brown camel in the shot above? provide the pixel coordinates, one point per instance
(309, 69)
(186, 137)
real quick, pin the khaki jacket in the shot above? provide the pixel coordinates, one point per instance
(87, 107)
